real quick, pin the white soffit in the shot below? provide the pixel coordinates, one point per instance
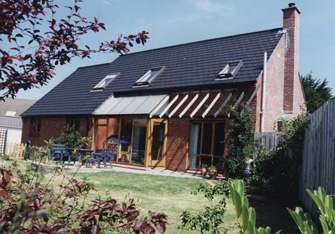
(129, 105)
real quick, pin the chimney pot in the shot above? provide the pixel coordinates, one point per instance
(291, 4)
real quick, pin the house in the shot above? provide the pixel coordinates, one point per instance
(168, 107)
(10, 120)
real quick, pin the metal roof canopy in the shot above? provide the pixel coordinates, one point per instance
(129, 105)
(210, 104)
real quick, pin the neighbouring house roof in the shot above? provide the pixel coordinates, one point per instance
(190, 66)
(16, 106)
(10, 122)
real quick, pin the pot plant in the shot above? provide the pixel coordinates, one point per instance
(212, 172)
(204, 169)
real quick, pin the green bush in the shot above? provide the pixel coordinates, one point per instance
(70, 138)
(277, 172)
(241, 142)
(210, 219)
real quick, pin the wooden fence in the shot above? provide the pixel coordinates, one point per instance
(16, 151)
(318, 163)
(270, 140)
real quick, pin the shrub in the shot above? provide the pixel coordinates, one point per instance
(210, 219)
(277, 172)
(70, 139)
(27, 206)
(241, 142)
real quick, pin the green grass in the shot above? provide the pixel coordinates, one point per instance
(170, 195)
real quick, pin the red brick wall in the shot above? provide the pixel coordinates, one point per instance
(177, 144)
(50, 127)
(291, 24)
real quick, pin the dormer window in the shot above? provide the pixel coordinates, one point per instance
(148, 77)
(229, 71)
(105, 81)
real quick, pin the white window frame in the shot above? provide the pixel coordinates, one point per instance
(141, 83)
(99, 87)
(224, 74)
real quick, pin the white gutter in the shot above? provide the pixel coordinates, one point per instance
(264, 91)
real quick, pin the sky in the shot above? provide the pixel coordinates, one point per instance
(172, 22)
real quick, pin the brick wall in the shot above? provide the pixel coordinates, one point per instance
(291, 75)
(274, 90)
(177, 144)
(50, 127)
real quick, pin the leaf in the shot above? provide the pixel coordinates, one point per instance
(244, 217)
(140, 224)
(161, 227)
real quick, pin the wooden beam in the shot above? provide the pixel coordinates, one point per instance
(200, 104)
(178, 106)
(223, 105)
(239, 99)
(165, 99)
(189, 105)
(170, 104)
(211, 105)
(251, 98)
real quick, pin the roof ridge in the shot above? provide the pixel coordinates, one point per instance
(205, 40)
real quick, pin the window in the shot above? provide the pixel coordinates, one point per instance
(148, 77)
(207, 143)
(105, 81)
(35, 125)
(74, 124)
(230, 70)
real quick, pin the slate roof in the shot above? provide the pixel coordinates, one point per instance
(17, 105)
(188, 66)
(10, 122)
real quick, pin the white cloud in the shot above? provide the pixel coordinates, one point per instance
(210, 6)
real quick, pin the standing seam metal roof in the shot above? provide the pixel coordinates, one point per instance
(188, 65)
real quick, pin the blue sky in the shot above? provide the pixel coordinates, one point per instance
(172, 22)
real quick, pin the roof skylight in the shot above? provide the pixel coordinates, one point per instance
(105, 81)
(230, 70)
(149, 76)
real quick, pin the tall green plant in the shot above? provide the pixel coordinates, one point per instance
(246, 215)
(325, 205)
(241, 142)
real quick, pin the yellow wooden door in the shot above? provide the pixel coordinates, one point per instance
(157, 140)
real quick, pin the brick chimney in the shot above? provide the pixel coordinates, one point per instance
(291, 70)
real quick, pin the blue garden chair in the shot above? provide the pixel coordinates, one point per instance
(57, 152)
(105, 156)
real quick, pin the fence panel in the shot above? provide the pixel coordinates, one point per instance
(16, 151)
(318, 162)
(270, 140)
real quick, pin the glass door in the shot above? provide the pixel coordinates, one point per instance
(157, 143)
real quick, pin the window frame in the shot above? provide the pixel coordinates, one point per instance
(224, 74)
(74, 125)
(98, 86)
(140, 83)
(38, 126)
(212, 147)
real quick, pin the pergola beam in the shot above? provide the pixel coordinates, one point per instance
(189, 105)
(211, 105)
(178, 106)
(170, 104)
(223, 105)
(165, 99)
(200, 104)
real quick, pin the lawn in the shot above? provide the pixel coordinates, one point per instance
(170, 195)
